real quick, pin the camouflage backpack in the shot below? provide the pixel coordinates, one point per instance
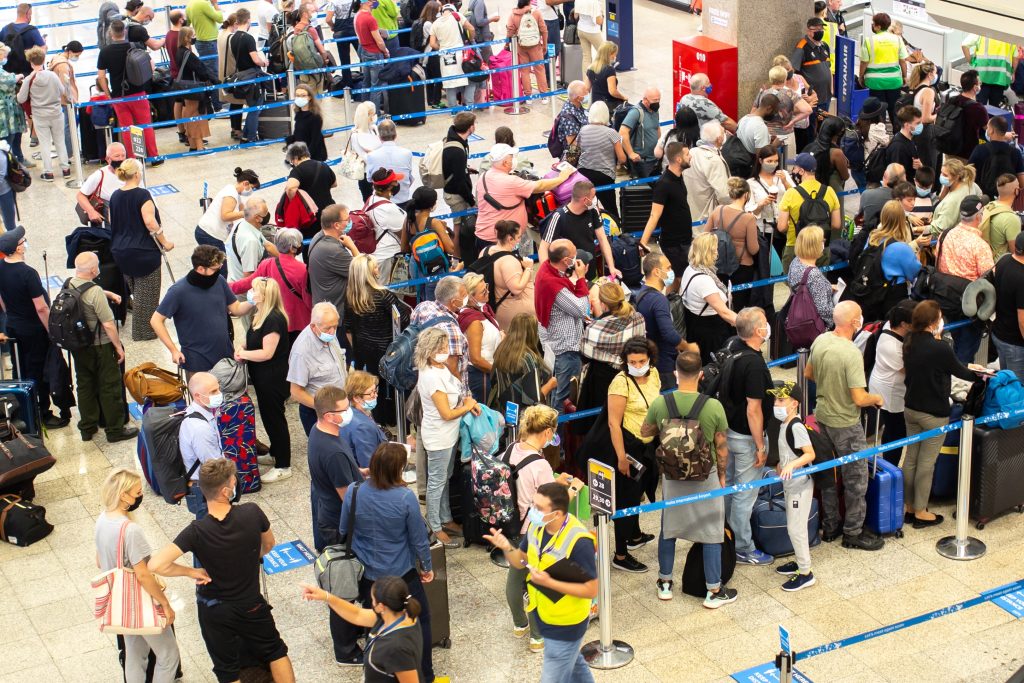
(684, 454)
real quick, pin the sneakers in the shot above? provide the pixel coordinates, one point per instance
(33, 141)
(353, 660)
(864, 541)
(798, 582)
(520, 631)
(48, 177)
(629, 564)
(66, 172)
(266, 460)
(664, 589)
(536, 645)
(638, 543)
(276, 474)
(787, 569)
(28, 163)
(723, 597)
(756, 557)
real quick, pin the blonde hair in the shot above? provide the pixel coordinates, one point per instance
(737, 188)
(4, 49)
(892, 225)
(358, 383)
(271, 292)
(612, 296)
(314, 103)
(917, 76)
(128, 169)
(364, 118)
(704, 251)
(958, 171)
(810, 242)
(605, 55)
(537, 418)
(431, 341)
(362, 285)
(117, 483)
(783, 61)
(472, 281)
(777, 75)
(36, 55)
(186, 36)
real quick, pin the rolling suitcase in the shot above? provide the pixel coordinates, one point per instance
(997, 473)
(634, 207)
(571, 64)
(237, 425)
(22, 397)
(275, 123)
(884, 498)
(143, 452)
(944, 480)
(437, 599)
(410, 100)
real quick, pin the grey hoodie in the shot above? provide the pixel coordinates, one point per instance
(46, 91)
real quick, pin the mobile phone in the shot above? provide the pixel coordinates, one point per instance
(636, 468)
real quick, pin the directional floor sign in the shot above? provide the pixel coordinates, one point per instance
(1012, 603)
(601, 480)
(765, 673)
(286, 556)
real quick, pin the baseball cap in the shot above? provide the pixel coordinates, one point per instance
(805, 161)
(783, 389)
(500, 151)
(971, 205)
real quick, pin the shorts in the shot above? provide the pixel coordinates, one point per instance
(678, 255)
(239, 634)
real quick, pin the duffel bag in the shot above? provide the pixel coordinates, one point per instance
(22, 523)
(768, 526)
(338, 570)
(22, 458)
(161, 387)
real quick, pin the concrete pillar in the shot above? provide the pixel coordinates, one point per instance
(761, 30)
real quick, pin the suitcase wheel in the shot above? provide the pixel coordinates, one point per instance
(979, 526)
(446, 643)
(898, 533)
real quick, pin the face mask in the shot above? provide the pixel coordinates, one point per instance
(670, 277)
(707, 90)
(346, 417)
(654, 106)
(441, 357)
(72, 59)
(780, 413)
(116, 163)
(370, 403)
(264, 219)
(245, 193)
(767, 331)
(301, 102)
(250, 298)
(555, 440)
(923, 191)
(235, 494)
(135, 506)
(918, 129)
(348, 226)
(465, 301)
(790, 75)
(536, 517)
(770, 167)
(215, 400)
(818, 35)
(638, 371)
(145, 23)
(944, 180)
(3, 61)
(326, 338)
(987, 138)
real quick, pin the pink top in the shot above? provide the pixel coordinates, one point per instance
(297, 308)
(506, 189)
(531, 478)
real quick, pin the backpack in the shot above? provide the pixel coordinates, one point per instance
(495, 489)
(739, 160)
(948, 128)
(416, 41)
(694, 579)
(297, 212)
(14, 38)
(853, 148)
(1004, 393)
(804, 323)
(17, 176)
(431, 164)
(67, 325)
(277, 52)
(529, 31)
(147, 382)
(303, 51)
(107, 15)
(683, 454)
(428, 252)
(726, 263)
(676, 309)
(871, 346)
(364, 229)
(619, 115)
(876, 163)
(138, 67)
(480, 434)
(626, 254)
(396, 366)
(823, 450)
(814, 210)
(485, 266)
(159, 434)
(1000, 161)
(906, 98)
(556, 145)
(869, 287)
(718, 372)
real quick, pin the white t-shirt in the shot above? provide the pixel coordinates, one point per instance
(766, 221)
(588, 12)
(753, 132)
(547, 12)
(702, 285)
(887, 375)
(244, 250)
(211, 222)
(389, 219)
(110, 182)
(364, 143)
(489, 342)
(265, 13)
(437, 433)
(787, 455)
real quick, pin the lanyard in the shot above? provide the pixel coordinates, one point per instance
(554, 536)
(387, 629)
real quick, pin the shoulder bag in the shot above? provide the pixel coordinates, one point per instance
(121, 604)
(352, 165)
(338, 570)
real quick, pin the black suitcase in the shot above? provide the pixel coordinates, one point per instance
(277, 122)
(779, 346)
(437, 599)
(634, 207)
(410, 100)
(997, 473)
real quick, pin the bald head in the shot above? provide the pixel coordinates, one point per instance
(87, 265)
(255, 210)
(652, 98)
(847, 316)
(559, 251)
(202, 386)
(577, 91)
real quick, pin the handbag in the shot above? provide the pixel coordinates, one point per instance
(232, 376)
(179, 84)
(147, 381)
(472, 64)
(338, 570)
(352, 165)
(95, 201)
(22, 523)
(22, 458)
(121, 604)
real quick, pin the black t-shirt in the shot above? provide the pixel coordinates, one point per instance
(19, 285)
(903, 151)
(131, 243)
(315, 178)
(1009, 281)
(398, 650)
(240, 45)
(229, 551)
(676, 223)
(929, 364)
(750, 379)
(277, 367)
(112, 60)
(599, 84)
(577, 228)
(137, 33)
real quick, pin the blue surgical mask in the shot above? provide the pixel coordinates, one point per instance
(555, 440)
(370, 403)
(3, 61)
(707, 90)
(348, 226)
(918, 129)
(326, 338)
(923, 191)
(216, 400)
(249, 298)
(780, 413)
(536, 517)
(638, 371)
(245, 193)
(944, 180)
(670, 277)
(987, 138)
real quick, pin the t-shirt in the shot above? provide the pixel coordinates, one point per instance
(313, 364)
(750, 379)
(331, 467)
(204, 18)
(646, 140)
(240, 44)
(1009, 282)
(265, 13)
(19, 285)
(792, 201)
(676, 221)
(107, 534)
(599, 85)
(507, 190)
(753, 132)
(329, 262)
(112, 59)
(365, 26)
(210, 222)
(400, 649)
(245, 250)
(597, 148)
(530, 478)
(316, 178)
(136, 33)
(579, 229)
(277, 367)
(982, 153)
(637, 402)
(704, 108)
(104, 180)
(584, 554)
(200, 319)
(887, 375)
(697, 286)
(712, 415)
(653, 306)
(838, 367)
(787, 455)
(999, 229)
(436, 432)
(872, 201)
(903, 150)
(96, 310)
(229, 551)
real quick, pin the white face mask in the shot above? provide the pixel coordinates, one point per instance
(780, 413)
(767, 331)
(441, 357)
(465, 301)
(942, 325)
(215, 400)
(301, 102)
(638, 371)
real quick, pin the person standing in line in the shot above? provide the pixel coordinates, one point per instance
(111, 68)
(590, 14)
(340, 17)
(996, 62)
(811, 58)
(448, 32)
(651, 302)
(371, 48)
(670, 210)
(362, 434)
(527, 24)
(1008, 328)
(707, 175)
(248, 58)
(458, 186)
(205, 17)
(316, 360)
(888, 375)
(199, 436)
(44, 91)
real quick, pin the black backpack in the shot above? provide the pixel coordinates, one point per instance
(871, 348)
(740, 161)
(67, 325)
(719, 371)
(485, 266)
(814, 210)
(869, 286)
(948, 129)
(999, 162)
(876, 163)
(626, 253)
(14, 38)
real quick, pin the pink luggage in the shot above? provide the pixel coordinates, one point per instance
(501, 83)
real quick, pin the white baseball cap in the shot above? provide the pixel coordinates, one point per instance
(500, 151)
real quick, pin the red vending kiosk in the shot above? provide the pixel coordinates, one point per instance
(698, 54)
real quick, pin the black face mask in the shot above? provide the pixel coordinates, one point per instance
(135, 506)
(116, 163)
(264, 219)
(818, 35)
(789, 75)
(654, 106)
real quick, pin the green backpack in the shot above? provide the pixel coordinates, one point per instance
(304, 52)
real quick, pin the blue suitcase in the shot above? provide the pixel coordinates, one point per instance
(26, 411)
(768, 521)
(884, 498)
(947, 466)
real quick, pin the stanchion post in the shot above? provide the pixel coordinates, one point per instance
(801, 380)
(981, 357)
(962, 546)
(516, 107)
(76, 150)
(784, 663)
(291, 81)
(348, 105)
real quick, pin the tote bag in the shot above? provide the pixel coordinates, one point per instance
(122, 605)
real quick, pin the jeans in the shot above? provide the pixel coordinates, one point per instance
(371, 77)
(440, 466)
(1011, 356)
(564, 663)
(14, 140)
(738, 506)
(206, 48)
(568, 365)
(712, 555)
(479, 382)
(515, 586)
(252, 120)
(347, 30)
(468, 91)
(9, 213)
(966, 342)
(668, 379)
(195, 501)
(307, 416)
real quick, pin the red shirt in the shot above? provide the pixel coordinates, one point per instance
(171, 44)
(366, 26)
(297, 308)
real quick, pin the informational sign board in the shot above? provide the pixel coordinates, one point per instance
(138, 141)
(1012, 603)
(511, 413)
(765, 673)
(601, 480)
(784, 639)
(287, 556)
(161, 190)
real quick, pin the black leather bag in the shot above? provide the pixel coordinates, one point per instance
(22, 458)
(22, 523)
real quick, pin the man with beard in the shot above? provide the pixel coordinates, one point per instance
(670, 211)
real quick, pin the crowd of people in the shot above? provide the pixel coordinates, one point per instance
(567, 322)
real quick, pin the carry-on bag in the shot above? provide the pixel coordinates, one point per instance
(22, 523)
(437, 598)
(338, 570)
(997, 473)
(22, 458)
(144, 444)
(411, 99)
(237, 425)
(884, 498)
(634, 207)
(768, 520)
(121, 604)
(693, 571)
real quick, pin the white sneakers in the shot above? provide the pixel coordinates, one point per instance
(276, 474)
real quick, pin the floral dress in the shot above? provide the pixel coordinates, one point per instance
(12, 116)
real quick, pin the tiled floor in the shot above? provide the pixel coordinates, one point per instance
(44, 589)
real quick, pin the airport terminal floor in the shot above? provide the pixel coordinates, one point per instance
(49, 634)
